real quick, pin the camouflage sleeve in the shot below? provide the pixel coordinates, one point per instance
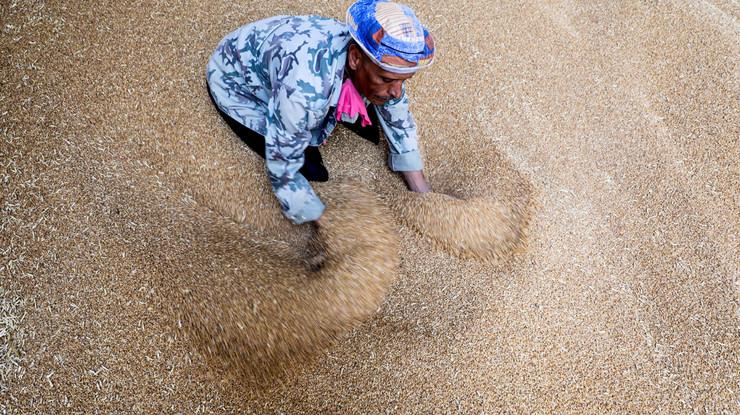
(400, 130)
(288, 134)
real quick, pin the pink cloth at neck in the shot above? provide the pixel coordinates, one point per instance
(351, 103)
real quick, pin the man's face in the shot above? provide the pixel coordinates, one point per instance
(376, 84)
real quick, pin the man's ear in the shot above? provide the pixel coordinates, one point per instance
(353, 57)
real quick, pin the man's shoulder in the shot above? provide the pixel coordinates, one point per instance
(321, 23)
(310, 51)
(313, 30)
(285, 30)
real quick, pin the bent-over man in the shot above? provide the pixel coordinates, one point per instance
(284, 82)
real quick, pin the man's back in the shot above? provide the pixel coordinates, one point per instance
(304, 55)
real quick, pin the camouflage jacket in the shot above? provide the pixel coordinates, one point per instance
(281, 77)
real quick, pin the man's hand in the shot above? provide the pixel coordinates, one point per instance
(416, 182)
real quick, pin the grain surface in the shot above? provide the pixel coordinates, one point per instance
(616, 122)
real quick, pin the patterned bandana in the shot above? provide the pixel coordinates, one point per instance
(387, 31)
(351, 105)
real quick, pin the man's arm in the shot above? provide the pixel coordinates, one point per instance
(416, 181)
(288, 135)
(400, 131)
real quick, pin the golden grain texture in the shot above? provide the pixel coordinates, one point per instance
(270, 311)
(619, 115)
(481, 228)
(477, 209)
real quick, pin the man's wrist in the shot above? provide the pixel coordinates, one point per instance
(416, 181)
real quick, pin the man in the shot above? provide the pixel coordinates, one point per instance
(283, 82)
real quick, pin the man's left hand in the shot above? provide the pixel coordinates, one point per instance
(416, 181)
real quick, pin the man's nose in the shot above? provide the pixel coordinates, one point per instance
(396, 89)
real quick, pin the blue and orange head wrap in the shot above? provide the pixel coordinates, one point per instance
(386, 31)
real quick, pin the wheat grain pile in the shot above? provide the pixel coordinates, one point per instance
(261, 311)
(466, 214)
(616, 120)
(471, 228)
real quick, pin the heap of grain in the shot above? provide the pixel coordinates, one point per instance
(479, 227)
(471, 212)
(272, 309)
